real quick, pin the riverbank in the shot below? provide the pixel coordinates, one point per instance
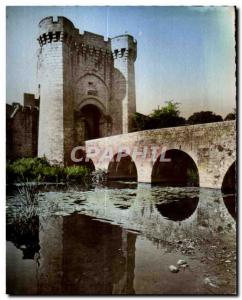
(138, 231)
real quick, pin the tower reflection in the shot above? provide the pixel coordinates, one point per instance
(85, 256)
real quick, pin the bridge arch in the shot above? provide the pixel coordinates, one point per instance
(229, 190)
(175, 168)
(211, 146)
(122, 167)
(229, 180)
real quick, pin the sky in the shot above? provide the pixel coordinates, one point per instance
(185, 54)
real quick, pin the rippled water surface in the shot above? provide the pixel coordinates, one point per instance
(113, 240)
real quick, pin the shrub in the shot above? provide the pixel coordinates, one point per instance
(204, 117)
(230, 117)
(25, 169)
(76, 172)
(166, 116)
(50, 173)
(38, 169)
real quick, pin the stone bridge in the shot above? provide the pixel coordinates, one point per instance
(209, 149)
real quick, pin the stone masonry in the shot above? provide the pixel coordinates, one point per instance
(211, 146)
(87, 87)
(22, 128)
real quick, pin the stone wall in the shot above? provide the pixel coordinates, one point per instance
(212, 147)
(22, 131)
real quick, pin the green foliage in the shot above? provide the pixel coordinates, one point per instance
(192, 177)
(169, 116)
(141, 122)
(204, 117)
(169, 121)
(75, 172)
(170, 109)
(38, 169)
(25, 169)
(50, 173)
(166, 116)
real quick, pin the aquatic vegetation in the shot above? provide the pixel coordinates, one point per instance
(99, 176)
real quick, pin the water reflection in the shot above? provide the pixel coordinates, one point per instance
(112, 184)
(177, 209)
(81, 255)
(113, 241)
(230, 203)
(24, 234)
(98, 253)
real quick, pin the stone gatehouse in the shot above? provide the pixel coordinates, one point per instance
(86, 87)
(86, 84)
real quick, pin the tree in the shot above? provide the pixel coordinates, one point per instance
(171, 108)
(141, 122)
(204, 117)
(167, 116)
(230, 116)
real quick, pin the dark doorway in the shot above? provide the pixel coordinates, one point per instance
(92, 116)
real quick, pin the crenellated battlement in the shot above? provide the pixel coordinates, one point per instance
(127, 53)
(124, 46)
(62, 24)
(30, 105)
(56, 36)
(61, 30)
(64, 31)
(87, 43)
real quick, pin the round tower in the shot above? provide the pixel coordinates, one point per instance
(124, 49)
(56, 39)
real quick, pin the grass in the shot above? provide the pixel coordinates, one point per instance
(38, 169)
(192, 176)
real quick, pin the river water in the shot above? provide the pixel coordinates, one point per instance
(121, 239)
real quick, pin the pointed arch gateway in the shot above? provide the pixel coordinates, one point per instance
(91, 120)
(91, 115)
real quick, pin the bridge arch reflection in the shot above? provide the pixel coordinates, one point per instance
(178, 209)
